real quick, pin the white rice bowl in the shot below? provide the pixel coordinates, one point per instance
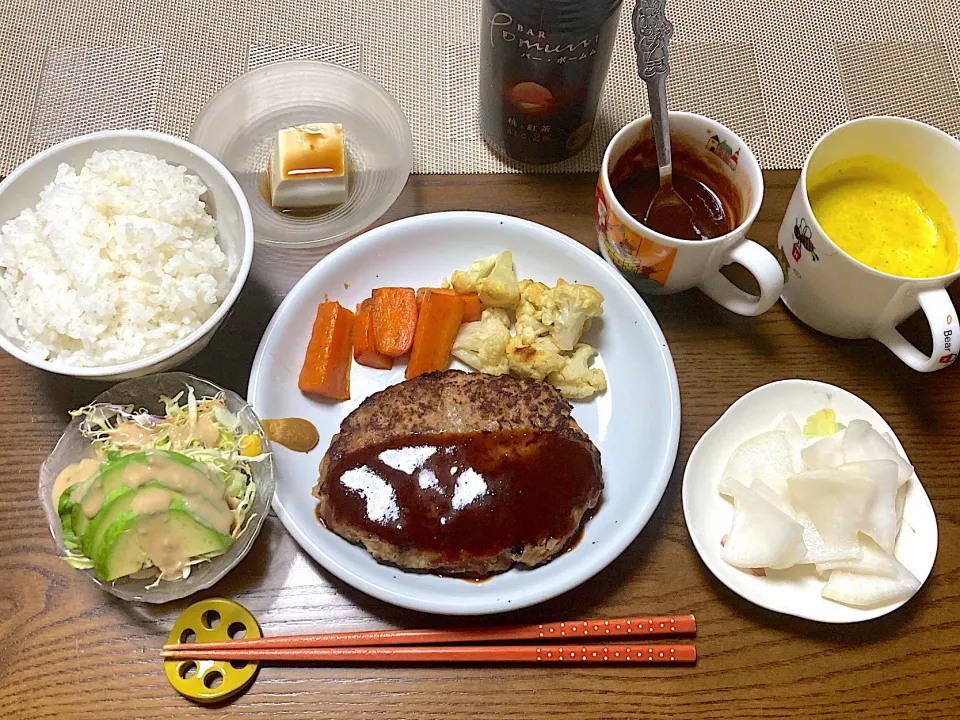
(117, 262)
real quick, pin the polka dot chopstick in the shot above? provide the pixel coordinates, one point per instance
(553, 642)
(635, 653)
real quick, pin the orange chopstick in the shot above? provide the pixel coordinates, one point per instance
(554, 632)
(635, 653)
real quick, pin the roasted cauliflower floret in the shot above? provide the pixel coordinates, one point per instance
(483, 344)
(492, 278)
(549, 322)
(576, 379)
(529, 327)
(564, 311)
(533, 360)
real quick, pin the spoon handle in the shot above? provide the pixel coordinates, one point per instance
(657, 96)
(653, 31)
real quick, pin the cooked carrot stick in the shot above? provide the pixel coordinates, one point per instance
(326, 367)
(423, 291)
(471, 307)
(394, 319)
(471, 302)
(437, 328)
(364, 344)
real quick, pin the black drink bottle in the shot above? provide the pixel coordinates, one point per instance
(542, 68)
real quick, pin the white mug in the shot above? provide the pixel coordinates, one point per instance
(658, 264)
(832, 292)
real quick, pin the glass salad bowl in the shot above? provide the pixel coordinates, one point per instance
(144, 393)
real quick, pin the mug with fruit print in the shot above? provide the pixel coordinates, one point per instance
(715, 172)
(868, 238)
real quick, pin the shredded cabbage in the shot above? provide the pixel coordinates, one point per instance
(172, 431)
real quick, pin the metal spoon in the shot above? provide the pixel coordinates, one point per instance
(653, 32)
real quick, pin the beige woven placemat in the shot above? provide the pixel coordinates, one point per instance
(780, 73)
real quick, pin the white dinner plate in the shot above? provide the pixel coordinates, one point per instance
(635, 423)
(795, 591)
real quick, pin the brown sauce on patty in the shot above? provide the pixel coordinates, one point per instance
(460, 494)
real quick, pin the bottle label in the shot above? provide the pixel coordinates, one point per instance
(541, 83)
(534, 45)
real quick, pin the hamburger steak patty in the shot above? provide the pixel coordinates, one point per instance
(460, 473)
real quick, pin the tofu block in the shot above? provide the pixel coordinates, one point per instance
(308, 168)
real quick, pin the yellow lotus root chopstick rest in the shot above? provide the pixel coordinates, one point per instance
(212, 620)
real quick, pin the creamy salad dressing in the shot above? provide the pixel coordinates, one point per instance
(130, 434)
(204, 429)
(152, 501)
(134, 436)
(158, 543)
(75, 474)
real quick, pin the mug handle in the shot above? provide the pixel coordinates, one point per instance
(762, 265)
(938, 307)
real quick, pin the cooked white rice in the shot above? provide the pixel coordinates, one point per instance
(114, 264)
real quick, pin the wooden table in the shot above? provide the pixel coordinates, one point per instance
(68, 650)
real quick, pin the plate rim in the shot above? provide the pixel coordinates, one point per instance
(604, 554)
(871, 613)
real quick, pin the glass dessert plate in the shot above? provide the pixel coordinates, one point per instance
(239, 127)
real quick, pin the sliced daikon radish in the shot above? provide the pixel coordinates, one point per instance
(762, 535)
(881, 519)
(818, 551)
(860, 590)
(791, 428)
(862, 442)
(765, 457)
(873, 469)
(873, 560)
(901, 501)
(824, 454)
(902, 490)
(760, 488)
(836, 502)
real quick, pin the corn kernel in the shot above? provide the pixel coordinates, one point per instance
(250, 445)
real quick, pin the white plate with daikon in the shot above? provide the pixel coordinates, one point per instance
(802, 500)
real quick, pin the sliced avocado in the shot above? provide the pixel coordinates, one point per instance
(113, 543)
(111, 480)
(82, 524)
(121, 552)
(112, 474)
(118, 505)
(78, 520)
(65, 511)
(66, 530)
(65, 502)
(113, 505)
